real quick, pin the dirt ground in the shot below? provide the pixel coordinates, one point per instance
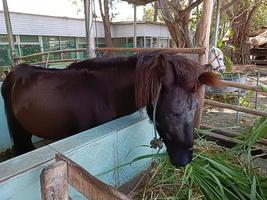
(227, 119)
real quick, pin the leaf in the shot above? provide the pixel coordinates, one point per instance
(253, 192)
(263, 87)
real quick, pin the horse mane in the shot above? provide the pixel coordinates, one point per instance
(149, 74)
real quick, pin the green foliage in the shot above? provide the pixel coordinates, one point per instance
(257, 131)
(226, 59)
(212, 175)
(215, 173)
(194, 19)
(259, 19)
(148, 14)
(228, 63)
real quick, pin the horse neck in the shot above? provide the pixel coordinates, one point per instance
(119, 79)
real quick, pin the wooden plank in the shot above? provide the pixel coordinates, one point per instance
(228, 133)
(91, 187)
(258, 52)
(235, 107)
(167, 50)
(56, 61)
(52, 52)
(54, 182)
(259, 62)
(230, 139)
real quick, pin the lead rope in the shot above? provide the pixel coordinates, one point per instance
(156, 142)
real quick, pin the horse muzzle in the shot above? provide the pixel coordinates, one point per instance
(180, 157)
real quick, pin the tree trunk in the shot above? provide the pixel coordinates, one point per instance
(106, 21)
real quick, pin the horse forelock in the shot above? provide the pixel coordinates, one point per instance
(148, 75)
(186, 72)
(147, 79)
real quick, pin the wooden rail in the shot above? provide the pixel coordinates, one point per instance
(56, 177)
(235, 107)
(171, 50)
(51, 52)
(243, 86)
(114, 49)
(56, 61)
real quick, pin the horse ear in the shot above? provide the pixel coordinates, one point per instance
(165, 70)
(210, 79)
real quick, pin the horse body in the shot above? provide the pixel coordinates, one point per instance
(54, 104)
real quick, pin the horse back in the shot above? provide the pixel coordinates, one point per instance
(52, 104)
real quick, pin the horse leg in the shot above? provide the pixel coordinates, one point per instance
(22, 143)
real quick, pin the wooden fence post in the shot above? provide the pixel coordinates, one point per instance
(54, 182)
(203, 59)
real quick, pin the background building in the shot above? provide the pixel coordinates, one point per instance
(40, 33)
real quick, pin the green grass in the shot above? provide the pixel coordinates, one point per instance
(216, 173)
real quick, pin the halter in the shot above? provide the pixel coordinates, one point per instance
(216, 58)
(156, 142)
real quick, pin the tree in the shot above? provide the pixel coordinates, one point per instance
(240, 16)
(104, 11)
(152, 13)
(176, 14)
(106, 15)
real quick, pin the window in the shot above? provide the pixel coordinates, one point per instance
(51, 44)
(100, 42)
(118, 42)
(129, 42)
(5, 58)
(163, 43)
(29, 38)
(155, 43)
(82, 45)
(148, 42)
(68, 43)
(4, 38)
(140, 42)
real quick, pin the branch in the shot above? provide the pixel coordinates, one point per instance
(227, 6)
(252, 7)
(101, 9)
(189, 8)
(192, 6)
(165, 12)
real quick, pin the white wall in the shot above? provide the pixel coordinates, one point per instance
(29, 24)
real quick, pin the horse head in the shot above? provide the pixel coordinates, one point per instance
(216, 59)
(179, 80)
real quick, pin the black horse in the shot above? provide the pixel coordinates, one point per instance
(56, 103)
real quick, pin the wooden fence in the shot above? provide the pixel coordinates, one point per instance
(56, 177)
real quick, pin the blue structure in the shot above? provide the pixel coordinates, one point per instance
(5, 141)
(97, 150)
